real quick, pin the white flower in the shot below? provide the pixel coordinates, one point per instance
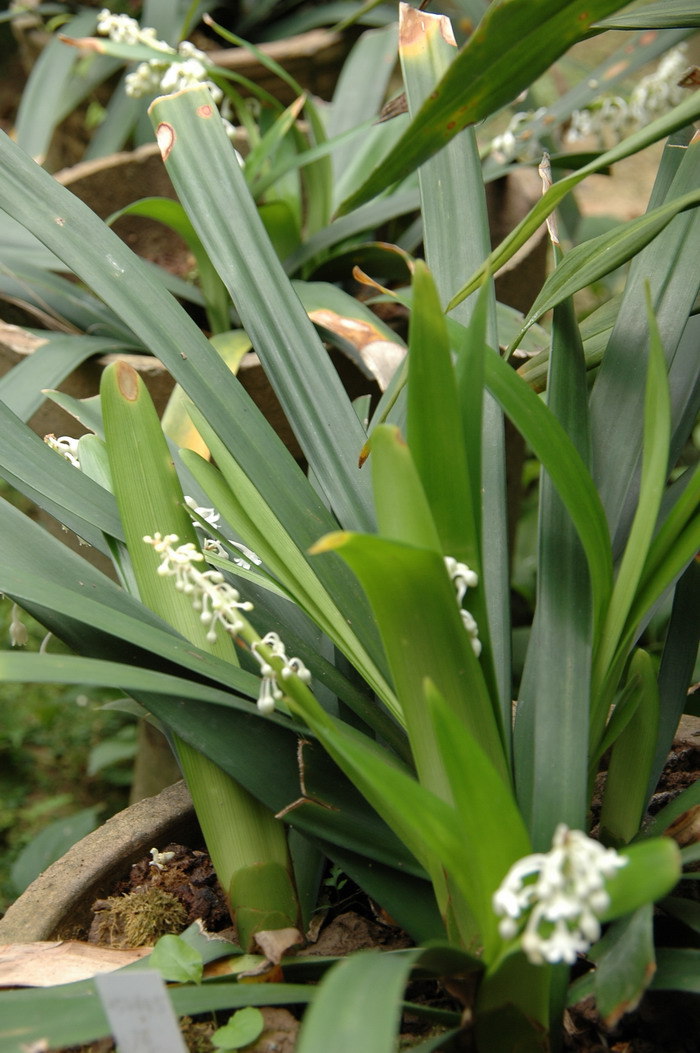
(217, 601)
(66, 446)
(463, 578)
(270, 691)
(210, 544)
(562, 893)
(19, 637)
(158, 75)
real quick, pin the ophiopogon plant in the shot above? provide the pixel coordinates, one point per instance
(467, 818)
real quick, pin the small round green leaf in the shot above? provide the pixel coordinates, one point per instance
(244, 1027)
(176, 960)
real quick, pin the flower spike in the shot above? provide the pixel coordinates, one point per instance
(217, 601)
(562, 893)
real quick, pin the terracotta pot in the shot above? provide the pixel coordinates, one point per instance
(56, 906)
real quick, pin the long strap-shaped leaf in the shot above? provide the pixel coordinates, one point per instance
(515, 42)
(211, 186)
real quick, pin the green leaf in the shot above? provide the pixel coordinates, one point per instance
(625, 964)
(653, 868)
(488, 816)
(677, 661)
(50, 844)
(368, 979)
(200, 162)
(172, 215)
(175, 960)
(552, 716)
(243, 1028)
(568, 472)
(655, 458)
(72, 1014)
(668, 14)
(52, 483)
(240, 502)
(22, 389)
(439, 453)
(677, 969)
(513, 44)
(667, 267)
(403, 510)
(589, 262)
(625, 794)
(414, 603)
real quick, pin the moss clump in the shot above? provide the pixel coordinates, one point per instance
(138, 919)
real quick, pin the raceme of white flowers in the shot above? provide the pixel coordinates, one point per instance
(66, 446)
(607, 115)
(561, 894)
(189, 65)
(219, 603)
(463, 578)
(216, 600)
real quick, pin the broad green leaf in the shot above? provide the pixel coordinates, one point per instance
(513, 44)
(488, 816)
(200, 162)
(625, 964)
(438, 451)
(42, 104)
(552, 717)
(403, 509)
(369, 980)
(625, 794)
(414, 603)
(242, 1029)
(175, 960)
(52, 842)
(652, 870)
(587, 263)
(677, 969)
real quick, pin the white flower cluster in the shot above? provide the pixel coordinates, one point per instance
(608, 115)
(463, 578)
(181, 68)
(270, 691)
(563, 894)
(652, 96)
(210, 544)
(66, 446)
(217, 601)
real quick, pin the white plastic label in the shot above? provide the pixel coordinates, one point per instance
(139, 1012)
